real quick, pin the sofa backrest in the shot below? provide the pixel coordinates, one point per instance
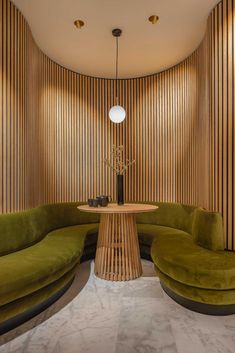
(67, 214)
(19, 230)
(208, 229)
(172, 215)
(23, 229)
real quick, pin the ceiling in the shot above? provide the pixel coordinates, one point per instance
(144, 48)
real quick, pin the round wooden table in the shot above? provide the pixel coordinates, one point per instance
(118, 254)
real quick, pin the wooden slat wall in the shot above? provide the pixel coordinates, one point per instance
(162, 132)
(13, 61)
(222, 28)
(55, 130)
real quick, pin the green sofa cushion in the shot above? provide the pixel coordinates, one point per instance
(26, 303)
(208, 229)
(23, 229)
(171, 215)
(148, 232)
(182, 260)
(201, 295)
(19, 230)
(30, 269)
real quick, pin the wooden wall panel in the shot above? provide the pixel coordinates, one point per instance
(75, 134)
(55, 130)
(222, 26)
(13, 110)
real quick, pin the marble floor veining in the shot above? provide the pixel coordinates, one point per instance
(120, 317)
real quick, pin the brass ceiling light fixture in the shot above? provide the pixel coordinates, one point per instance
(79, 24)
(117, 113)
(154, 19)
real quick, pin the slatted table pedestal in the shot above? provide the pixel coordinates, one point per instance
(118, 254)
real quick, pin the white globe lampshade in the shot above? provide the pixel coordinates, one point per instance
(117, 114)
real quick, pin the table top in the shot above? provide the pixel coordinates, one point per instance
(114, 208)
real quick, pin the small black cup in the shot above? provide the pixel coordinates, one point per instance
(104, 200)
(93, 202)
(90, 202)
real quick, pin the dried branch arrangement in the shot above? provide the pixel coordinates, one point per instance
(116, 160)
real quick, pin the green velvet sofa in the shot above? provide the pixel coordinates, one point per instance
(41, 248)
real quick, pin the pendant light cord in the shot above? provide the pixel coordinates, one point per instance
(117, 70)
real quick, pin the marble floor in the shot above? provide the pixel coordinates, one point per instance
(97, 316)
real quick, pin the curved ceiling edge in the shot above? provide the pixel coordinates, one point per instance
(144, 51)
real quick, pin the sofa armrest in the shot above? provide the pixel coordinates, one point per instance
(208, 229)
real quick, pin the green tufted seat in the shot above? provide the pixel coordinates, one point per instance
(193, 265)
(194, 273)
(186, 246)
(42, 263)
(40, 250)
(148, 233)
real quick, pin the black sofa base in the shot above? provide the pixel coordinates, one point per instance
(207, 309)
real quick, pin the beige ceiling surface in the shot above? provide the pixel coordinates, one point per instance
(144, 48)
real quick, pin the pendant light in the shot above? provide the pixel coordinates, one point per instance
(117, 113)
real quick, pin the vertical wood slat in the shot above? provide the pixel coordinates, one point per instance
(1, 106)
(221, 27)
(118, 236)
(55, 131)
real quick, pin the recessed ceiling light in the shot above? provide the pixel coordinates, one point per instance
(153, 19)
(79, 24)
